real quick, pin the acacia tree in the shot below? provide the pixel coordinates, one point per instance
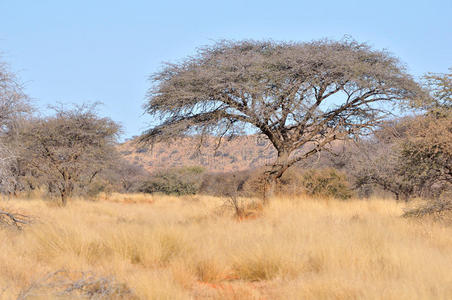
(427, 148)
(301, 96)
(69, 149)
(13, 101)
(378, 161)
(13, 104)
(440, 100)
(412, 156)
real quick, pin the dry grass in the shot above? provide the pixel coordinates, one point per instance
(183, 248)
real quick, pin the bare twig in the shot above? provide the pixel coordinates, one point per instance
(14, 220)
(84, 285)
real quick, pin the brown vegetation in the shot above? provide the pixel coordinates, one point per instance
(182, 248)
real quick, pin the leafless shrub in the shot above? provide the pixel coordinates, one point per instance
(82, 285)
(14, 220)
(236, 204)
(243, 208)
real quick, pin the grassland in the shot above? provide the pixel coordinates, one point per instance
(192, 248)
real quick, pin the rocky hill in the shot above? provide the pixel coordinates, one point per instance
(240, 153)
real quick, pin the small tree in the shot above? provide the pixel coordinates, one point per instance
(13, 104)
(123, 176)
(67, 150)
(301, 96)
(413, 156)
(427, 148)
(378, 161)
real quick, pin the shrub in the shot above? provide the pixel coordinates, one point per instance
(224, 184)
(243, 208)
(291, 183)
(178, 181)
(326, 183)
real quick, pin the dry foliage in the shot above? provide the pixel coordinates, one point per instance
(180, 248)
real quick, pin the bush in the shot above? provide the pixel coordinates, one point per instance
(191, 180)
(177, 181)
(291, 183)
(224, 184)
(326, 183)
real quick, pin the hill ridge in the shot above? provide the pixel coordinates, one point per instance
(236, 154)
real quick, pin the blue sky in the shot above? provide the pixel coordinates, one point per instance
(87, 51)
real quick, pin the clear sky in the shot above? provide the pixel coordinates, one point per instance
(85, 51)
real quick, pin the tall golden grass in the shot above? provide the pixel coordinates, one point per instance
(165, 247)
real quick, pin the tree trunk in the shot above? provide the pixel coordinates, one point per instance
(63, 198)
(67, 188)
(405, 197)
(273, 175)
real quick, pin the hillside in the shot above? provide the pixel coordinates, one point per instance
(241, 153)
